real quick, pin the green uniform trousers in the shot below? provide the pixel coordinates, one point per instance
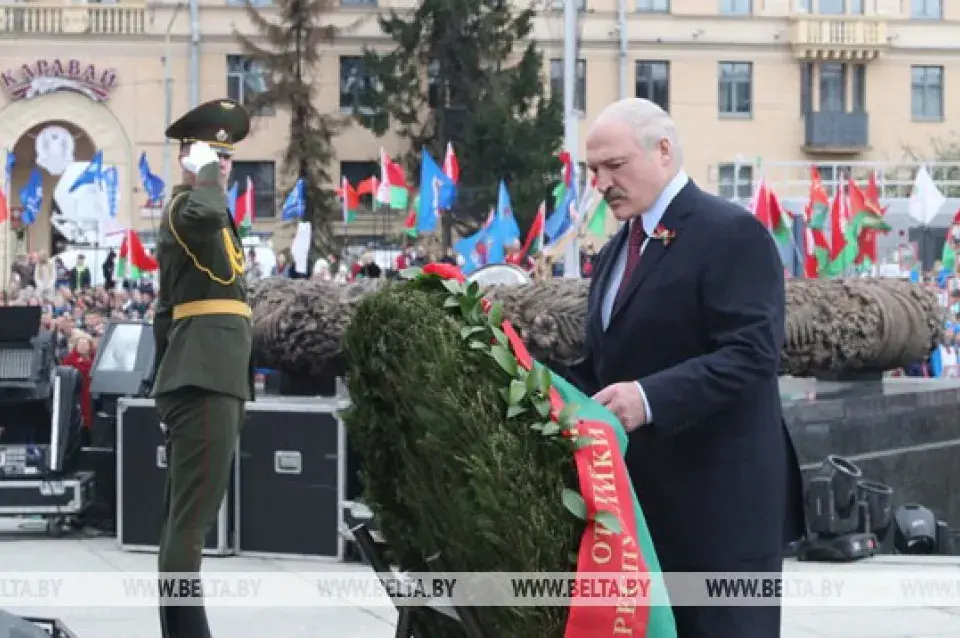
(202, 428)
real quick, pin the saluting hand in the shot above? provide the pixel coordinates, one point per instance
(200, 155)
(626, 402)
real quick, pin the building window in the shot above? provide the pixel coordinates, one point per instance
(557, 5)
(735, 81)
(556, 83)
(736, 7)
(806, 88)
(926, 9)
(358, 3)
(653, 82)
(356, 172)
(735, 181)
(653, 6)
(263, 176)
(805, 6)
(832, 7)
(354, 80)
(833, 88)
(245, 79)
(859, 89)
(926, 92)
(858, 7)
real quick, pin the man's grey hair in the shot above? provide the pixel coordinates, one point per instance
(650, 122)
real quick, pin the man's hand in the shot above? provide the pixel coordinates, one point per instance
(200, 155)
(625, 401)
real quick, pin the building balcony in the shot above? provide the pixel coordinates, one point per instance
(836, 132)
(838, 37)
(72, 19)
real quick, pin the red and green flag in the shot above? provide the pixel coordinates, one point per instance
(818, 207)
(867, 219)
(560, 191)
(349, 200)
(767, 209)
(393, 190)
(410, 221)
(850, 217)
(599, 217)
(949, 256)
(134, 260)
(243, 214)
(534, 242)
(868, 238)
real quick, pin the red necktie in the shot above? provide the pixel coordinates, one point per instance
(634, 244)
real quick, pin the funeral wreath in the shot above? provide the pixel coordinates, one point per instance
(473, 450)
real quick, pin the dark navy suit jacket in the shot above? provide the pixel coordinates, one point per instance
(701, 327)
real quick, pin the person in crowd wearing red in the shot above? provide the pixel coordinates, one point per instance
(80, 357)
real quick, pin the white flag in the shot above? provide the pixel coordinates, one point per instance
(926, 199)
(301, 247)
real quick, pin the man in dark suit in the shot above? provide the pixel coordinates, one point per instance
(684, 332)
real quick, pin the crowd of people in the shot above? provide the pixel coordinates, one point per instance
(76, 306)
(943, 362)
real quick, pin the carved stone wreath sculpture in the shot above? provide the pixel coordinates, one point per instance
(832, 326)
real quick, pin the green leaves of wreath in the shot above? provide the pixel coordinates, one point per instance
(528, 393)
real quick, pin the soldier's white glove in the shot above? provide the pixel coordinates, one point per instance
(200, 155)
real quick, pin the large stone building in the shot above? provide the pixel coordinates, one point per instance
(791, 81)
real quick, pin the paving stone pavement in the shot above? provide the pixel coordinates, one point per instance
(20, 552)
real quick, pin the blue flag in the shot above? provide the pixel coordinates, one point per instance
(293, 206)
(153, 186)
(112, 184)
(232, 195)
(494, 239)
(436, 193)
(564, 216)
(11, 160)
(92, 174)
(508, 230)
(472, 250)
(31, 197)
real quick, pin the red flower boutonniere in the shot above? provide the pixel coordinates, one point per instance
(662, 233)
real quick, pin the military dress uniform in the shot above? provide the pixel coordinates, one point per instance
(204, 371)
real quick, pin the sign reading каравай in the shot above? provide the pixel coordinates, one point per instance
(48, 75)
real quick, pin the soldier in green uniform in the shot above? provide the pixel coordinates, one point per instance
(203, 337)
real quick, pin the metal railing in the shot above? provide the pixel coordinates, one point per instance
(56, 19)
(791, 180)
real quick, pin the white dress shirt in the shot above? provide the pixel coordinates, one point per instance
(650, 220)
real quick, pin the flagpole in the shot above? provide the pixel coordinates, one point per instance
(571, 120)
(7, 185)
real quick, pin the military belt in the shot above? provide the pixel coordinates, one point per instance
(211, 307)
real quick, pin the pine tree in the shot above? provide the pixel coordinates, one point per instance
(455, 76)
(289, 63)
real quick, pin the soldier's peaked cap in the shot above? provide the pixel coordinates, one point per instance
(219, 123)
